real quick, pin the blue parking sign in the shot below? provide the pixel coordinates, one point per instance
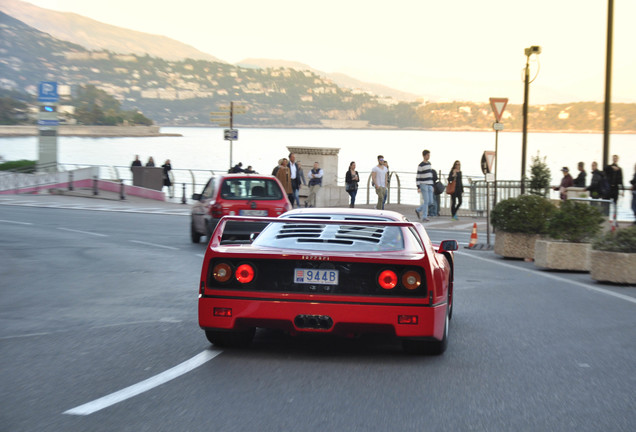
(47, 91)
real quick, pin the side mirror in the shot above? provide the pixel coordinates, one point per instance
(196, 197)
(448, 245)
(253, 236)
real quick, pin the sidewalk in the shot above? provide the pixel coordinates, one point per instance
(84, 197)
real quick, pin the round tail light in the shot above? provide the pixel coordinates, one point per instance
(222, 272)
(387, 279)
(411, 280)
(245, 273)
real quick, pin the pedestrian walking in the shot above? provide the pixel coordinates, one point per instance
(151, 162)
(167, 167)
(579, 181)
(315, 183)
(633, 183)
(614, 175)
(282, 174)
(351, 183)
(566, 182)
(295, 172)
(388, 183)
(378, 181)
(455, 188)
(424, 182)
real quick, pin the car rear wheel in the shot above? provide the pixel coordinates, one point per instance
(194, 235)
(232, 338)
(429, 347)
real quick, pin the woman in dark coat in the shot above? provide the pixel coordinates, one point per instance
(166, 176)
(351, 183)
(455, 175)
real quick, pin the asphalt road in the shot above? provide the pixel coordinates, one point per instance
(93, 303)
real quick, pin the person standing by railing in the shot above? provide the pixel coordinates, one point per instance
(315, 182)
(167, 167)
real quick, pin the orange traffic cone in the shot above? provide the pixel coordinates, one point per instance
(473, 236)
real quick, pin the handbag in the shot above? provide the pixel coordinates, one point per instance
(450, 188)
(439, 187)
(348, 186)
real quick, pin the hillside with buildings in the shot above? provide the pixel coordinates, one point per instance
(184, 92)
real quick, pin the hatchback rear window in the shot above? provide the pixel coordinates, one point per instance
(250, 188)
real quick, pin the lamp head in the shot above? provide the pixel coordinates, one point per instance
(534, 49)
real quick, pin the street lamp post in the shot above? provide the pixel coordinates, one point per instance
(526, 89)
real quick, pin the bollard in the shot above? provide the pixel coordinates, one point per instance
(70, 180)
(121, 190)
(183, 198)
(95, 188)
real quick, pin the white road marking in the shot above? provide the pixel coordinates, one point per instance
(557, 278)
(154, 244)
(144, 386)
(83, 232)
(16, 222)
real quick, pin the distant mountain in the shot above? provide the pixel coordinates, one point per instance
(341, 80)
(95, 35)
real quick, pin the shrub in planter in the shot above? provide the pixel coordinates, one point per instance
(519, 221)
(570, 229)
(526, 214)
(575, 222)
(613, 257)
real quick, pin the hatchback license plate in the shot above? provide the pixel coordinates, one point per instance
(316, 276)
(253, 212)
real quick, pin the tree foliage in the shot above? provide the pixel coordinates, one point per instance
(94, 106)
(540, 176)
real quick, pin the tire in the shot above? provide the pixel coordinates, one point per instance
(194, 235)
(231, 338)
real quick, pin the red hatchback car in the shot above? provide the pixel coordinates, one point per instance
(236, 194)
(341, 271)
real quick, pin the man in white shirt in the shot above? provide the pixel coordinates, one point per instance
(378, 179)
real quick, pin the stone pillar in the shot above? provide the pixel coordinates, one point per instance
(330, 194)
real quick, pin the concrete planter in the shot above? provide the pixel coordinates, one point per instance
(559, 255)
(616, 267)
(515, 245)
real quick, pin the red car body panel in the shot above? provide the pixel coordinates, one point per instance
(350, 314)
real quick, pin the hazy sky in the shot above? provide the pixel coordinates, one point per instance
(449, 49)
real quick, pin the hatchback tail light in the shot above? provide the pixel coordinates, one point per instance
(216, 210)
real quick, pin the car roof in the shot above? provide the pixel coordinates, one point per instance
(243, 175)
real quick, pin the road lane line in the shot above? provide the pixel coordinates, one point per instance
(83, 232)
(144, 386)
(16, 222)
(557, 278)
(153, 244)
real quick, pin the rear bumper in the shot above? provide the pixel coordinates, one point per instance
(347, 318)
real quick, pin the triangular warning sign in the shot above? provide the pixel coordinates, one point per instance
(498, 106)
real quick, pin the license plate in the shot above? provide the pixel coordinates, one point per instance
(253, 212)
(316, 276)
